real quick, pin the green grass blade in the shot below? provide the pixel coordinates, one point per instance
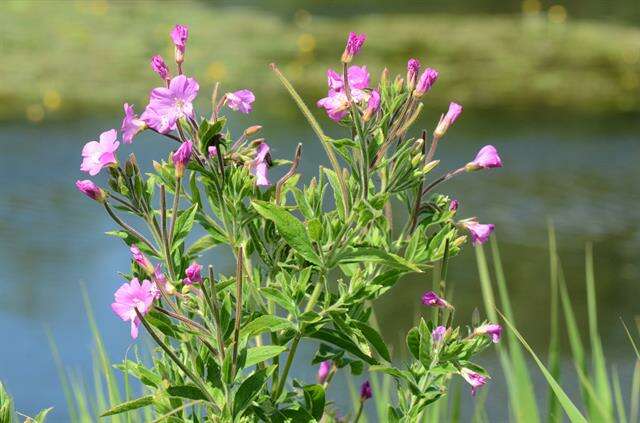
(622, 416)
(519, 387)
(598, 361)
(554, 344)
(565, 402)
(633, 342)
(526, 408)
(635, 394)
(112, 384)
(64, 381)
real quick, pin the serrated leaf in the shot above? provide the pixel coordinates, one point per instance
(376, 255)
(186, 391)
(183, 226)
(314, 398)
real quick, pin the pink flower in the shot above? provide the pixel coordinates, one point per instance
(453, 205)
(354, 44)
(455, 110)
(476, 380)
(426, 81)
(486, 158)
(193, 274)
(160, 67)
(168, 104)
(179, 36)
(130, 297)
(213, 151)
(431, 299)
(365, 391)
(96, 155)
(336, 105)
(91, 190)
(413, 68)
(438, 333)
(131, 124)
(241, 101)
(492, 329)
(182, 156)
(323, 371)
(358, 76)
(259, 166)
(479, 232)
(141, 259)
(372, 106)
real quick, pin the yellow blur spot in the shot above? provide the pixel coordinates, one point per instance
(35, 113)
(99, 7)
(52, 100)
(531, 6)
(302, 18)
(216, 71)
(306, 43)
(557, 14)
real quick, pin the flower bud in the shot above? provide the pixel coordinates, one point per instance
(486, 158)
(365, 391)
(453, 205)
(160, 67)
(452, 115)
(354, 44)
(179, 36)
(413, 68)
(384, 77)
(91, 190)
(372, 106)
(459, 241)
(415, 160)
(323, 371)
(430, 166)
(398, 83)
(252, 130)
(491, 329)
(431, 299)
(438, 334)
(142, 260)
(426, 81)
(131, 167)
(181, 157)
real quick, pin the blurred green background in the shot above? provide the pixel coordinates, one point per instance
(61, 59)
(555, 85)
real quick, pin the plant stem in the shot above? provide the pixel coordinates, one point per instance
(355, 116)
(172, 355)
(174, 212)
(212, 300)
(164, 234)
(359, 413)
(287, 366)
(130, 230)
(236, 330)
(328, 148)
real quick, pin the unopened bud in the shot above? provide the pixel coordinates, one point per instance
(447, 120)
(157, 166)
(91, 190)
(460, 240)
(415, 160)
(169, 288)
(429, 166)
(384, 77)
(252, 130)
(398, 83)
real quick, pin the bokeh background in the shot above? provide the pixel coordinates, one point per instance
(555, 85)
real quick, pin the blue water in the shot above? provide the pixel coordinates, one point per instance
(583, 174)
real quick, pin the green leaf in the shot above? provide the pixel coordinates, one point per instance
(186, 391)
(265, 323)
(376, 255)
(315, 399)
(129, 405)
(280, 298)
(249, 389)
(291, 229)
(202, 244)
(413, 342)
(257, 355)
(183, 226)
(374, 339)
(335, 338)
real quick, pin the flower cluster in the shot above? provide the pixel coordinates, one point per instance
(223, 337)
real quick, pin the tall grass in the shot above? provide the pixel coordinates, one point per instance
(601, 397)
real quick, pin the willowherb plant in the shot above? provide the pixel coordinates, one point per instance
(306, 267)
